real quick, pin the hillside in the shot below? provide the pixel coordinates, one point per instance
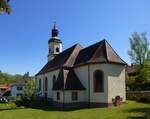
(6, 78)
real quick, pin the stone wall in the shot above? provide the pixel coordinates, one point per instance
(138, 95)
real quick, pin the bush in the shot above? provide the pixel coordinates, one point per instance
(140, 96)
(29, 94)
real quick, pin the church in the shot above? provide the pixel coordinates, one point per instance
(82, 77)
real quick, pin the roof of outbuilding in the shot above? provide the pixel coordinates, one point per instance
(100, 52)
(68, 80)
(130, 70)
(64, 59)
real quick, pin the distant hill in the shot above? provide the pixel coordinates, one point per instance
(6, 78)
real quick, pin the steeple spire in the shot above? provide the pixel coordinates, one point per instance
(55, 31)
(54, 43)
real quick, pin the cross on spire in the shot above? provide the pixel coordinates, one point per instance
(55, 31)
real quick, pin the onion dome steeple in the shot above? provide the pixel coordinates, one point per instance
(54, 44)
(54, 33)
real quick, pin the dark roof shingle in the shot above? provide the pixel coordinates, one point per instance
(100, 52)
(68, 80)
(64, 59)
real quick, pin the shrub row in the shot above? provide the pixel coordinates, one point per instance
(140, 96)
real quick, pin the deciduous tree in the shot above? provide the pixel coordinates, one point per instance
(139, 51)
(5, 7)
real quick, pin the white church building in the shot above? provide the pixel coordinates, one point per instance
(82, 77)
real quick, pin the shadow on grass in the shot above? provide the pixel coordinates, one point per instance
(48, 106)
(51, 108)
(145, 111)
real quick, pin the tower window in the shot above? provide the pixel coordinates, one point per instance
(49, 50)
(57, 49)
(98, 81)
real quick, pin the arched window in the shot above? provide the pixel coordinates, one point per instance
(39, 84)
(57, 49)
(98, 81)
(46, 84)
(54, 79)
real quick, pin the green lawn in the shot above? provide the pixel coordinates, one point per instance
(131, 110)
(7, 105)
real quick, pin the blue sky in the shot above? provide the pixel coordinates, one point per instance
(24, 34)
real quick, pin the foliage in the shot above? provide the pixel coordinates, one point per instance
(142, 78)
(140, 96)
(139, 48)
(144, 72)
(141, 81)
(7, 105)
(29, 92)
(130, 82)
(140, 56)
(131, 110)
(6, 78)
(5, 7)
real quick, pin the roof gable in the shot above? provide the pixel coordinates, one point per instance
(112, 56)
(64, 59)
(100, 52)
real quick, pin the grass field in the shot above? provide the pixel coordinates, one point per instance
(5, 105)
(131, 110)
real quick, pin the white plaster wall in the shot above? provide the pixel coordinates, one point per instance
(82, 73)
(37, 83)
(68, 96)
(49, 76)
(14, 90)
(98, 97)
(53, 46)
(116, 82)
(55, 96)
(59, 45)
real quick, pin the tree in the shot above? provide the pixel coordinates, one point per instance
(139, 48)
(5, 7)
(144, 70)
(29, 92)
(140, 57)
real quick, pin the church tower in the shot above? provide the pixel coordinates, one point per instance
(54, 44)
